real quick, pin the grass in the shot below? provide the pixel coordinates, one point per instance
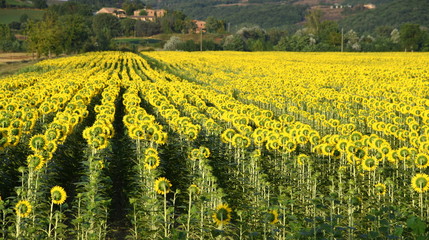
(9, 15)
(10, 63)
(157, 41)
(19, 3)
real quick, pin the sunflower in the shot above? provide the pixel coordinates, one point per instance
(162, 185)
(58, 195)
(272, 217)
(35, 161)
(342, 145)
(420, 182)
(380, 188)
(222, 215)
(369, 164)
(23, 208)
(194, 189)
(38, 142)
(151, 161)
(422, 161)
(205, 152)
(195, 154)
(302, 159)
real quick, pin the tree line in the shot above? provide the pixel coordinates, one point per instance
(319, 35)
(73, 28)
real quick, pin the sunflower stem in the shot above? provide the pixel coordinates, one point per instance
(188, 228)
(165, 214)
(50, 219)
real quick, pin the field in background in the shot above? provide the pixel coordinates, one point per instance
(9, 15)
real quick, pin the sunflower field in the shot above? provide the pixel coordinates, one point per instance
(216, 145)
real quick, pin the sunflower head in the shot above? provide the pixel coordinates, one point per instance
(369, 164)
(58, 195)
(162, 185)
(420, 182)
(222, 215)
(38, 142)
(194, 189)
(35, 161)
(151, 161)
(271, 217)
(422, 161)
(380, 188)
(23, 208)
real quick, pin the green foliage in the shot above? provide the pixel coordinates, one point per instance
(214, 25)
(8, 42)
(265, 15)
(72, 8)
(10, 15)
(412, 37)
(105, 28)
(234, 43)
(143, 28)
(173, 22)
(74, 31)
(128, 26)
(40, 4)
(131, 6)
(394, 13)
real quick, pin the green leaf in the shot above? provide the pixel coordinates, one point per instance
(417, 225)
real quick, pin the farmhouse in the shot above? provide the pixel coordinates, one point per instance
(156, 13)
(143, 18)
(117, 12)
(369, 6)
(201, 25)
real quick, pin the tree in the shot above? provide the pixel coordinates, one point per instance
(74, 32)
(72, 8)
(352, 41)
(173, 22)
(329, 34)
(105, 27)
(128, 26)
(41, 4)
(411, 37)
(234, 43)
(143, 13)
(131, 6)
(313, 21)
(44, 37)
(254, 33)
(23, 18)
(8, 42)
(383, 31)
(395, 36)
(173, 43)
(144, 29)
(2, 3)
(214, 25)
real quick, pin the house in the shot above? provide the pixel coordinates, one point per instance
(143, 18)
(369, 6)
(117, 12)
(156, 13)
(201, 25)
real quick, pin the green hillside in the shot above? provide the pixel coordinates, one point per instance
(286, 13)
(393, 14)
(9, 15)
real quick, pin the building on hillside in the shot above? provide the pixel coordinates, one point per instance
(201, 25)
(117, 12)
(143, 18)
(156, 13)
(337, 5)
(369, 6)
